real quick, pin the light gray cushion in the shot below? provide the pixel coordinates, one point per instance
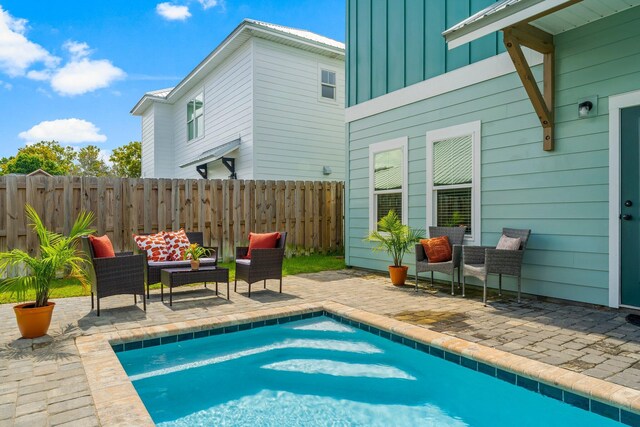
(508, 243)
(243, 261)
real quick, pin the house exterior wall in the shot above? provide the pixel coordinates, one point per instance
(395, 44)
(561, 195)
(148, 143)
(296, 131)
(157, 139)
(227, 116)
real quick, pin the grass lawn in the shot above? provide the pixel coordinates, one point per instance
(64, 288)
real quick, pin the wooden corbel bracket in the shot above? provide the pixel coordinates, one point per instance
(520, 35)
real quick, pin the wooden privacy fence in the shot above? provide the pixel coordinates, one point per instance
(224, 210)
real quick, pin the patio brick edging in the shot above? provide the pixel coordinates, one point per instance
(117, 402)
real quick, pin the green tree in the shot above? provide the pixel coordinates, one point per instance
(26, 163)
(127, 160)
(46, 155)
(90, 163)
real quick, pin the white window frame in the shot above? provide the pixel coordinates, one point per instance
(192, 99)
(381, 147)
(433, 136)
(333, 70)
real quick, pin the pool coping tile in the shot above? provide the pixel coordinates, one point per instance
(117, 401)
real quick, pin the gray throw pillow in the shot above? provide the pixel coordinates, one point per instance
(509, 243)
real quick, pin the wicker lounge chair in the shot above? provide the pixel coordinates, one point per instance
(456, 237)
(119, 275)
(480, 261)
(153, 268)
(264, 264)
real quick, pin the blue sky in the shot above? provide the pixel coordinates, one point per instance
(72, 70)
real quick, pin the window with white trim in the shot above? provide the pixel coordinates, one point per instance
(387, 180)
(328, 84)
(453, 178)
(195, 117)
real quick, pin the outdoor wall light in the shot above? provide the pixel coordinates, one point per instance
(326, 170)
(584, 109)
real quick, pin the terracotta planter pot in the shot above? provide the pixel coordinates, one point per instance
(398, 274)
(33, 322)
(195, 264)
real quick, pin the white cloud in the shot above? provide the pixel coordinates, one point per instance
(76, 49)
(17, 53)
(5, 85)
(78, 76)
(206, 4)
(84, 75)
(173, 12)
(40, 75)
(65, 131)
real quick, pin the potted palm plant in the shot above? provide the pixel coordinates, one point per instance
(57, 253)
(194, 252)
(396, 239)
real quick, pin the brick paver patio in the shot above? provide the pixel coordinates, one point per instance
(42, 382)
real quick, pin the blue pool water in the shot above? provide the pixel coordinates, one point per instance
(320, 372)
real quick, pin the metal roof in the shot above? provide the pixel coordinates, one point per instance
(248, 28)
(214, 154)
(509, 12)
(317, 38)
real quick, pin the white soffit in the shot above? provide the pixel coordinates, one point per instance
(510, 12)
(582, 13)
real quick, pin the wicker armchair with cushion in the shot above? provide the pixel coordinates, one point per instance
(153, 268)
(456, 237)
(119, 275)
(264, 264)
(480, 261)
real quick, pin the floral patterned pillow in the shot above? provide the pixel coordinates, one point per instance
(154, 245)
(177, 242)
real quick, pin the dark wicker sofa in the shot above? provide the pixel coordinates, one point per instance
(119, 275)
(152, 269)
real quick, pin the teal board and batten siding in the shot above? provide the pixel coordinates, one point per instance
(561, 195)
(396, 43)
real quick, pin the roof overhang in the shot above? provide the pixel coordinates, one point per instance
(243, 32)
(214, 154)
(498, 16)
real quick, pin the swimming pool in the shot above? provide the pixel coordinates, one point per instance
(318, 371)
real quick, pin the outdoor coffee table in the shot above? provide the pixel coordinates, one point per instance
(173, 277)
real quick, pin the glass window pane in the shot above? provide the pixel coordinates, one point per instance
(329, 77)
(328, 92)
(388, 170)
(199, 126)
(198, 105)
(387, 202)
(452, 163)
(189, 111)
(191, 130)
(454, 208)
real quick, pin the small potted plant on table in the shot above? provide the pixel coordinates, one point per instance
(57, 253)
(396, 239)
(193, 253)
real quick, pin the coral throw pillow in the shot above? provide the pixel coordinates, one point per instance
(154, 245)
(102, 247)
(262, 241)
(437, 249)
(177, 243)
